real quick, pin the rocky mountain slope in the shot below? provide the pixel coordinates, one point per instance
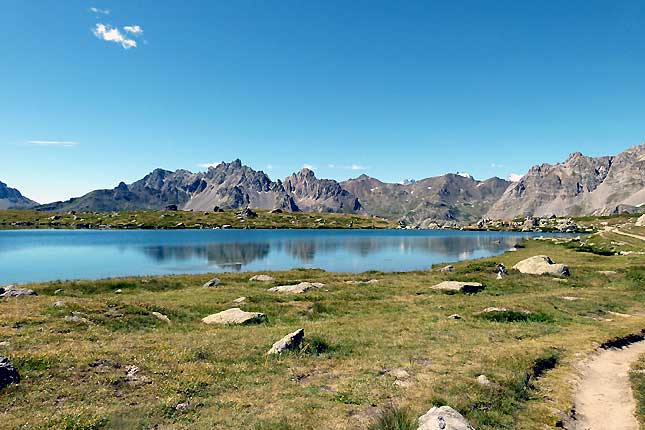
(227, 186)
(12, 198)
(450, 197)
(580, 186)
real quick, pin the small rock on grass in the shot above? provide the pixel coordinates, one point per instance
(447, 269)
(455, 317)
(456, 286)
(161, 316)
(239, 300)
(483, 380)
(13, 291)
(8, 373)
(290, 342)
(298, 288)
(212, 283)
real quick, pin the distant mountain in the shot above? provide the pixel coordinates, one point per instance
(580, 186)
(12, 198)
(227, 185)
(319, 195)
(451, 197)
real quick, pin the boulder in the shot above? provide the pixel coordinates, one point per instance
(288, 343)
(235, 316)
(262, 278)
(212, 283)
(239, 300)
(13, 291)
(297, 288)
(541, 265)
(443, 418)
(458, 287)
(447, 269)
(483, 380)
(8, 373)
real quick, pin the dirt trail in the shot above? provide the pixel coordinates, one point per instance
(615, 230)
(604, 399)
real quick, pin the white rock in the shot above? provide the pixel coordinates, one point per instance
(235, 316)
(288, 343)
(212, 283)
(298, 288)
(239, 300)
(541, 265)
(161, 316)
(443, 418)
(262, 278)
(640, 222)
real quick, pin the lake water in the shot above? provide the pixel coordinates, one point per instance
(45, 255)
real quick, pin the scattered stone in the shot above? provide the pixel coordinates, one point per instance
(288, 343)
(262, 278)
(570, 298)
(58, 291)
(239, 300)
(13, 291)
(398, 373)
(275, 211)
(249, 213)
(8, 373)
(161, 316)
(235, 316)
(75, 318)
(501, 271)
(541, 265)
(457, 286)
(182, 407)
(131, 371)
(493, 309)
(4, 344)
(226, 226)
(359, 282)
(455, 317)
(118, 291)
(212, 283)
(297, 288)
(607, 272)
(59, 303)
(447, 269)
(443, 418)
(483, 380)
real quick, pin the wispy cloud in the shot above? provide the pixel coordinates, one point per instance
(496, 165)
(98, 11)
(110, 34)
(65, 143)
(133, 29)
(353, 166)
(207, 165)
(357, 167)
(308, 166)
(269, 166)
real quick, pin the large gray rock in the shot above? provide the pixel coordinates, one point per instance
(288, 343)
(541, 265)
(235, 316)
(458, 287)
(8, 373)
(443, 418)
(302, 287)
(13, 291)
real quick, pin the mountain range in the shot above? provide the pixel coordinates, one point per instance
(579, 186)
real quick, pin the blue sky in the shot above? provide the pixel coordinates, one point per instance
(392, 89)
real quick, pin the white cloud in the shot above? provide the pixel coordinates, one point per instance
(496, 165)
(110, 34)
(133, 29)
(353, 166)
(308, 166)
(52, 143)
(514, 177)
(99, 11)
(331, 166)
(357, 167)
(269, 166)
(207, 165)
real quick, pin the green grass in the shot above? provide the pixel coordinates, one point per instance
(74, 373)
(637, 377)
(153, 219)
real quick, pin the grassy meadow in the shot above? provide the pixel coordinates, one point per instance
(386, 346)
(161, 219)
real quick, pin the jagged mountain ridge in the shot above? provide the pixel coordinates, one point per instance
(12, 198)
(580, 186)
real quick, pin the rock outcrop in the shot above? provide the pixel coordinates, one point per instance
(12, 198)
(13, 291)
(320, 195)
(580, 186)
(262, 278)
(541, 265)
(458, 287)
